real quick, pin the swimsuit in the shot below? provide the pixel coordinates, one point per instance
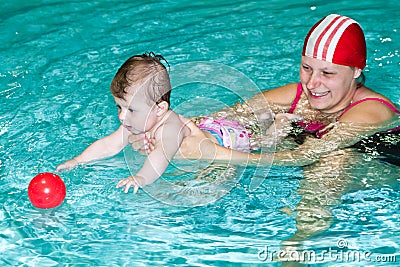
(386, 144)
(317, 128)
(229, 134)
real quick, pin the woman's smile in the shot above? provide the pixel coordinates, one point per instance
(318, 95)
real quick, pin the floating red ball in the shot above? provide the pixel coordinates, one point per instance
(46, 190)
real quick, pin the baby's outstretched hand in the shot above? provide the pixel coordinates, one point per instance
(69, 164)
(131, 181)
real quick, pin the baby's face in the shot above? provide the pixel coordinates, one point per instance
(135, 113)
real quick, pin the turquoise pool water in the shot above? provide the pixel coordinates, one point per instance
(58, 59)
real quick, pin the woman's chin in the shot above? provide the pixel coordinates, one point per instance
(318, 106)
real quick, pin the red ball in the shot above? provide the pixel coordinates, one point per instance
(46, 190)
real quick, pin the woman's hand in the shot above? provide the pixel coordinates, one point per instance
(288, 117)
(197, 145)
(282, 126)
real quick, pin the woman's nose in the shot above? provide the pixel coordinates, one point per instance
(313, 81)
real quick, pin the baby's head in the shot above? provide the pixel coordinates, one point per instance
(143, 72)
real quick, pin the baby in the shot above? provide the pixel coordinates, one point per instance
(141, 89)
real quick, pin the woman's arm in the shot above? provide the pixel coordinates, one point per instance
(359, 122)
(198, 146)
(283, 95)
(342, 134)
(258, 108)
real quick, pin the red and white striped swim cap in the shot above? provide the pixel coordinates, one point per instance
(337, 39)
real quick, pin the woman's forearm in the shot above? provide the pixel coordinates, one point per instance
(283, 158)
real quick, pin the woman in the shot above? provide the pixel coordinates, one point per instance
(336, 106)
(339, 113)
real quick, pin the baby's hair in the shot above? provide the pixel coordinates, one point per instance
(159, 57)
(143, 70)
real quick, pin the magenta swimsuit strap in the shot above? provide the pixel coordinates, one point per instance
(297, 98)
(386, 103)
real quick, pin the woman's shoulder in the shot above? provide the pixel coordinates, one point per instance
(283, 95)
(369, 107)
(367, 93)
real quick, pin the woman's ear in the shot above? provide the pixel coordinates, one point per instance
(162, 108)
(357, 73)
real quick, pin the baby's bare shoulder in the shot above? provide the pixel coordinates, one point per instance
(172, 127)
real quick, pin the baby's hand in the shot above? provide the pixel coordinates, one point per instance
(131, 181)
(69, 164)
(143, 143)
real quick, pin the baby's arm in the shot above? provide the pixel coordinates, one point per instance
(167, 141)
(102, 148)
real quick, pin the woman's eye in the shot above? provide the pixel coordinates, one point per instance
(306, 67)
(327, 73)
(130, 110)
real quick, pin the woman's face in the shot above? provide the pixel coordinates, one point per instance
(329, 87)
